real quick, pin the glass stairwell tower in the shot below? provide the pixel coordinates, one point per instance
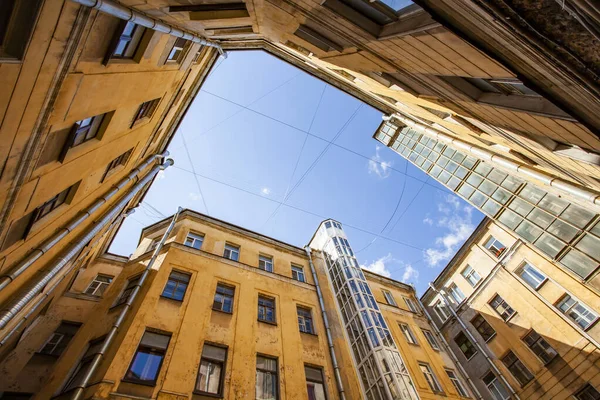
(382, 371)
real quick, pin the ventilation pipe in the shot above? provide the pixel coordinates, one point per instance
(580, 193)
(117, 10)
(7, 277)
(449, 350)
(49, 290)
(22, 300)
(115, 328)
(474, 340)
(336, 368)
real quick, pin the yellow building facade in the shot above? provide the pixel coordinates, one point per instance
(222, 312)
(521, 326)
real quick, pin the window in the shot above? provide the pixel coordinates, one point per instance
(458, 385)
(588, 392)
(17, 18)
(224, 298)
(501, 86)
(148, 358)
(411, 305)
(265, 263)
(196, 58)
(517, 368)
(194, 240)
(128, 291)
(471, 275)
(540, 346)
(153, 245)
(60, 339)
(82, 131)
(502, 308)
(495, 246)
(531, 276)
(305, 322)
(408, 334)
(176, 285)
(298, 273)
(483, 327)
(80, 371)
(178, 50)
(50, 205)
(212, 370)
(578, 312)
(456, 293)
(98, 285)
(267, 380)
(497, 389)
(430, 339)
(125, 41)
(389, 298)
(315, 384)
(232, 252)
(146, 110)
(430, 377)
(266, 309)
(465, 345)
(441, 310)
(117, 162)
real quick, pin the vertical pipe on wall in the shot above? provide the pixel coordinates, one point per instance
(78, 392)
(336, 368)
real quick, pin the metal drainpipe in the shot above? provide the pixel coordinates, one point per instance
(120, 11)
(449, 350)
(474, 340)
(22, 300)
(49, 291)
(7, 277)
(336, 368)
(115, 328)
(587, 196)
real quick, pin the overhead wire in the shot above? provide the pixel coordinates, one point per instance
(440, 188)
(187, 150)
(299, 208)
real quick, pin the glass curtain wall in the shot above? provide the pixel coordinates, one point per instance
(563, 231)
(380, 366)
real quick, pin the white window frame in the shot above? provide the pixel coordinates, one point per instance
(410, 304)
(430, 337)
(265, 262)
(434, 384)
(408, 334)
(458, 385)
(439, 310)
(193, 238)
(232, 249)
(389, 298)
(495, 382)
(490, 243)
(455, 292)
(577, 302)
(101, 285)
(527, 268)
(468, 273)
(299, 272)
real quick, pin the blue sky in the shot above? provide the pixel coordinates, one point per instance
(240, 163)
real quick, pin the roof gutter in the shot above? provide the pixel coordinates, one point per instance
(120, 11)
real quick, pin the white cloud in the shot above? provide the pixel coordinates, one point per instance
(409, 274)
(428, 221)
(266, 191)
(382, 169)
(194, 196)
(458, 226)
(379, 266)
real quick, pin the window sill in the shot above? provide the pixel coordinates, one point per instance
(222, 311)
(490, 338)
(267, 322)
(171, 299)
(310, 333)
(470, 358)
(206, 394)
(116, 306)
(136, 382)
(46, 355)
